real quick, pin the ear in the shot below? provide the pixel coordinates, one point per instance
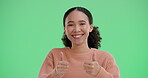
(91, 28)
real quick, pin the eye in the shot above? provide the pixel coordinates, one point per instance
(70, 24)
(82, 23)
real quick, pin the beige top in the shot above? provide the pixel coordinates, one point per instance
(76, 60)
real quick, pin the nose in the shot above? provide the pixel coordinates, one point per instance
(77, 28)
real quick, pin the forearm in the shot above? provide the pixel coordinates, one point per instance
(51, 74)
(104, 74)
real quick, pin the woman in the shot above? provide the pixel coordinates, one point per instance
(80, 58)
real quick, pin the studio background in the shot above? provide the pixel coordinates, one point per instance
(29, 29)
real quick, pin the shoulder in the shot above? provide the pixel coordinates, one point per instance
(59, 49)
(103, 54)
(104, 57)
(55, 51)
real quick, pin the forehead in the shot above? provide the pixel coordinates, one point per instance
(76, 16)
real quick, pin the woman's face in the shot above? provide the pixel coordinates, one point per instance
(77, 27)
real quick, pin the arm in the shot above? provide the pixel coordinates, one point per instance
(47, 70)
(111, 70)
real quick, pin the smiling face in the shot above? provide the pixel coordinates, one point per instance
(77, 27)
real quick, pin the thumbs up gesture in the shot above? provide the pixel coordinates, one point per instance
(62, 66)
(92, 67)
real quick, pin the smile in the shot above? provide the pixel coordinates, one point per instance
(77, 36)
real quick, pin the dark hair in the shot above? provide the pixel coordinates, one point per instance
(94, 38)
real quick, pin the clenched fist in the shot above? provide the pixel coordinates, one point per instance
(92, 67)
(62, 66)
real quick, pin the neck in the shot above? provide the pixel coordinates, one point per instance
(80, 48)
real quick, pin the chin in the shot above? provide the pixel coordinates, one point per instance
(78, 43)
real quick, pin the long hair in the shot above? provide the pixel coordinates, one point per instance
(94, 38)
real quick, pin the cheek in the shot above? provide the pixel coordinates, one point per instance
(86, 29)
(68, 30)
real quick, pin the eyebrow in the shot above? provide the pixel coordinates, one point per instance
(70, 21)
(82, 21)
(79, 21)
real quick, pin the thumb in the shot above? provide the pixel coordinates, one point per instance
(62, 56)
(93, 57)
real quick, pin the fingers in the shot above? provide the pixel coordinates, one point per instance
(93, 57)
(62, 56)
(88, 62)
(91, 68)
(88, 66)
(62, 66)
(62, 63)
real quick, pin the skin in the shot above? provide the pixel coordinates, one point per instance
(92, 67)
(62, 66)
(76, 24)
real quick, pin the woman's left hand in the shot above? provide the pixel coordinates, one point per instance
(92, 68)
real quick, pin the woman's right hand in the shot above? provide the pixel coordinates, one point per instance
(62, 66)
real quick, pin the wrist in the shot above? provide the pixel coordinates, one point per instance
(57, 74)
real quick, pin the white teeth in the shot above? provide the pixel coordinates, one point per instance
(77, 36)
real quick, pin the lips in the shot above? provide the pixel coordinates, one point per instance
(77, 36)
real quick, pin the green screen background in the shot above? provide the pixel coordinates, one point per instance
(29, 29)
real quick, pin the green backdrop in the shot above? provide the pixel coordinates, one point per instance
(29, 29)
